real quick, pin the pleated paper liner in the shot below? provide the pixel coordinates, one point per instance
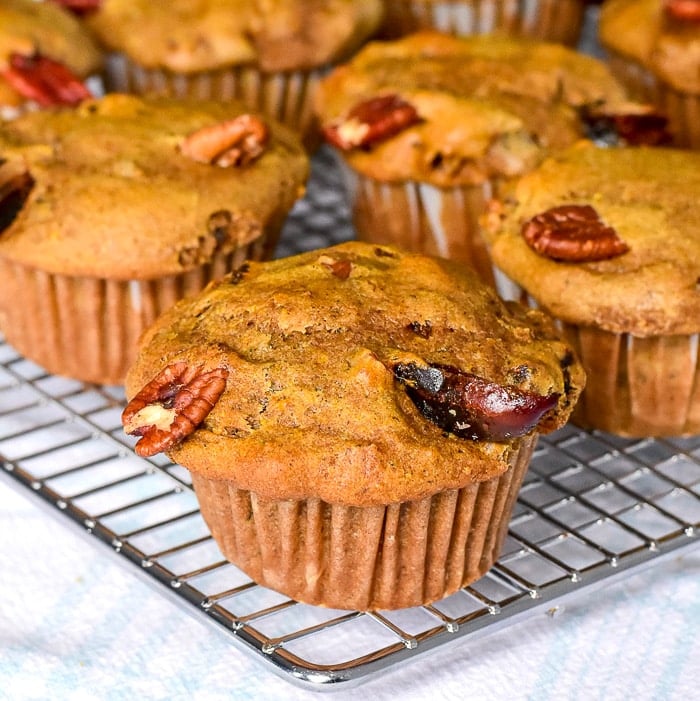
(635, 386)
(422, 218)
(284, 96)
(550, 20)
(366, 558)
(88, 328)
(681, 108)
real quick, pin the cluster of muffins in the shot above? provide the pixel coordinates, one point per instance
(358, 419)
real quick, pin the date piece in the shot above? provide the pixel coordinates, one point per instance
(470, 406)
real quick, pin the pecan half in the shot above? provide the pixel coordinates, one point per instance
(235, 142)
(172, 405)
(683, 10)
(642, 125)
(371, 121)
(573, 233)
(470, 406)
(79, 7)
(15, 185)
(44, 80)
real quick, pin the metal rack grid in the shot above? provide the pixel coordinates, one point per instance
(593, 508)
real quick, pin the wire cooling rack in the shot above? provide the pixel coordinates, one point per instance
(593, 507)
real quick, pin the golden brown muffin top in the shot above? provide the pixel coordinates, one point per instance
(642, 30)
(28, 28)
(486, 105)
(312, 346)
(198, 35)
(113, 195)
(649, 199)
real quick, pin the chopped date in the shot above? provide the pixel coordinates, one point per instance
(470, 406)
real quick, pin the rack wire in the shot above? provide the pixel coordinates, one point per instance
(593, 508)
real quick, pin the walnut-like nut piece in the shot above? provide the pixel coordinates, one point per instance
(572, 233)
(79, 7)
(43, 80)
(235, 142)
(371, 121)
(683, 10)
(629, 125)
(340, 267)
(172, 405)
(470, 406)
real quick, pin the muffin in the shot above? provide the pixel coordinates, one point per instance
(548, 20)
(428, 127)
(653, 46)
(112, 211)
(608, 242)
(46, 56)
(269, 55)
(357, 420)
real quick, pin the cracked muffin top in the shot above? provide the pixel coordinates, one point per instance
(484, 105)
(130, 188)
(277, 35)
(633, 211)
(359, 374)
(29, 29)
(667, 42)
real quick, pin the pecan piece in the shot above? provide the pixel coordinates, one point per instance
(172, 405)
(235, 142)
(371, 121)
(44, 80)
(641, 125)
(683, 10)
(573, 233)
(340, 267)
(470, 406)
(79, 7)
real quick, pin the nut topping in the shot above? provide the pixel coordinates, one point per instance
(340, 267)
(371, 121)
(172, 405)
(44, 80)
(572, 233)
(235, 142)
(79, 7)
(470, 406)
(683, 10)
(642, 125)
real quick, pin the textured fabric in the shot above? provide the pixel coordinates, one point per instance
(75, 624)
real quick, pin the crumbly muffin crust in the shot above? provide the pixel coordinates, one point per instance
(639, 29)
(277, 35)
(114, 197)
(311, 406)
(488, 105)
(649, 197)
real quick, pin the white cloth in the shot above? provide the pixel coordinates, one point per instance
(76, 623)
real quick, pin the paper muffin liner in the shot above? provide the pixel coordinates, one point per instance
(88, 328)
(635, 386)
(423, 218)
(551, 20)
(681, 108)
(284, 96)
(365, 558)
